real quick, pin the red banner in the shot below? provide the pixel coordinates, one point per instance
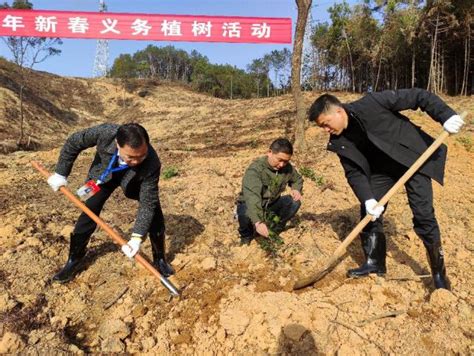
(148, 27)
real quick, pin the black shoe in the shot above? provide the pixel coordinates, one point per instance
(163, 267)
(438, 268)
(375, 249)
(70, 269)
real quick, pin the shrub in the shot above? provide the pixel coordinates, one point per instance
(170, 172)
(272, 244)
(466, 141)
(309, 173)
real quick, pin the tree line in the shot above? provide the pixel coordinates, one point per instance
(394, 44)
(223, 81)
(373, 45)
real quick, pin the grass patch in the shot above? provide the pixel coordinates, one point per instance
(466, 141)
(170, 172)
(311, 174)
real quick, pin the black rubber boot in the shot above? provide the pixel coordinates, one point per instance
(159, 260)
(375, 250)
(438, 269)
(244, 240)
(75, 262)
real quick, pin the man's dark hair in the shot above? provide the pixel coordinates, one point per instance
(322, 105)
(132, 134)
(281, 145)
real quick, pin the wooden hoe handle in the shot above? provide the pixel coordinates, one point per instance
(307, 281)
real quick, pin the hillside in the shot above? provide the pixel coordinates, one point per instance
(235, 299)
(53, 105)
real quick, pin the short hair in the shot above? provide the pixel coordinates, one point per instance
(133, 135)
(281, 145)
(322, 105)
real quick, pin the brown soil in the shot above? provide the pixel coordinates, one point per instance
(235, 300)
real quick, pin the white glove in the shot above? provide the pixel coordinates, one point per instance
(56, 181)
(132, 247)
(372, 209)
(453, 124)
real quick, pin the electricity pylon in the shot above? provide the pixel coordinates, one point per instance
(101, 59)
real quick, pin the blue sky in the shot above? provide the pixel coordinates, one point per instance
(77, 56)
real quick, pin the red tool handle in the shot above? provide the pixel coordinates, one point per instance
(111, 232)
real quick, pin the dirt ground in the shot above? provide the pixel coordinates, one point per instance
(235, 300)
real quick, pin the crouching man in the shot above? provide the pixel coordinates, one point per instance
(264, 181)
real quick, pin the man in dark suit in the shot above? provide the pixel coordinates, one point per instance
(125, 158)
(376, 145)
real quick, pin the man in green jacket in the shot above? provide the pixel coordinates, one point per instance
(264, 181)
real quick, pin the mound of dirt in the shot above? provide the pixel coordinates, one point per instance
(235, 299)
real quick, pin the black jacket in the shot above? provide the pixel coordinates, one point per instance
(139, 183)
(393, 134)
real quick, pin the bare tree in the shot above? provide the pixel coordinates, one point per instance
(27, 52)
(303, 11)
(467, 56)
(344, 35)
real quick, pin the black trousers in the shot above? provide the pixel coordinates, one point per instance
(420, 197)
(85, 226)
(285, 207)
